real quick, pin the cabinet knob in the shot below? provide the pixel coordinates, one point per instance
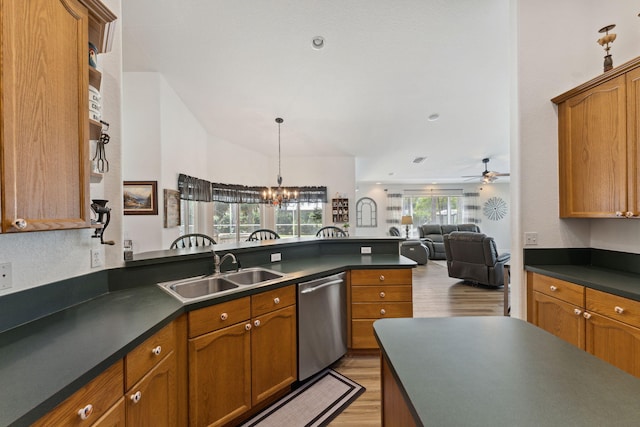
(618, 213)
(256, 323)
(247, 327)
(586, 315)
(553, 288)
(618, 309)
(85, 412)
(629, 214)
(135, 397)
(20, 223)
(276, 300)
(383, 312)
(577, 311)
(381, 278)
(157, 350)
(382, 294)
(224, 316)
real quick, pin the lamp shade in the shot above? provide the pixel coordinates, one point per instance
(406, 220)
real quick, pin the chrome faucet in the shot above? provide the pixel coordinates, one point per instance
(218, 261)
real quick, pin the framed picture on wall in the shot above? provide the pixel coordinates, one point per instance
(140, 197)
(171, 208)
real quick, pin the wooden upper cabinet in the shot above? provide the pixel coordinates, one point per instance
(598, 146)
(44, 137)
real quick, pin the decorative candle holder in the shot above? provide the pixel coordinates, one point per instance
(606, 41)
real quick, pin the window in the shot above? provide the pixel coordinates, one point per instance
(433, 209)
(299, 219)
(188, 217)
(233, 222)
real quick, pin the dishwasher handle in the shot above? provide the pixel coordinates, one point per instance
(324, 285)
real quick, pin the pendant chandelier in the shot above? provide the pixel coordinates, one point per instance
(279, 196)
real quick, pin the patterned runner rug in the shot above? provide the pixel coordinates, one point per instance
(315, 403)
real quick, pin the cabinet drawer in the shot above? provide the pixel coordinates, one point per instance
(272, 300)
(613, 306)
(101, 394)
(381, 293)
(219, 316)
(375, 277)
(381, 310)
(144, 357)
(362, 334)
(565, 291)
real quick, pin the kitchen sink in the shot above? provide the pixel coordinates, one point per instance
(196, 288)
(252, 276)
(203, 287)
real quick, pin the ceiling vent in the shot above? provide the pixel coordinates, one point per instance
(419, 160)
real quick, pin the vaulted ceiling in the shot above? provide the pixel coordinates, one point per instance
(385, 69)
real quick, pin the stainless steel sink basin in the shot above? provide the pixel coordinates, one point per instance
(252, 276)
(204, 286)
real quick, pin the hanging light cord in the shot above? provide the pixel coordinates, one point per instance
(279, 121)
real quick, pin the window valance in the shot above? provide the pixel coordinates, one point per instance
(195, 189)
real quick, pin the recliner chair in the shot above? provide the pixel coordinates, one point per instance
(473, 257)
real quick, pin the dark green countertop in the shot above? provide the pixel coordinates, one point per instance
(500, 371)
(616, 282)
(45, 361)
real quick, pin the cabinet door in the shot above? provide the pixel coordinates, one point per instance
(153, 400)
(115, 417)
(220, 375)
(593, 152)
(274, 353)
(614, 342)
(45, 124)
(562, 319)
(633, 139)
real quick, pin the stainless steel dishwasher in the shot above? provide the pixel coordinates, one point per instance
(322, 324)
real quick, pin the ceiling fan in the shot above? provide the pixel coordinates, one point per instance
(487, 175)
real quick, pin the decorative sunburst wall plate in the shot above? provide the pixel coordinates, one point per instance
(495, 209)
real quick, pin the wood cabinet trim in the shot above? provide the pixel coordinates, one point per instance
(609, 75)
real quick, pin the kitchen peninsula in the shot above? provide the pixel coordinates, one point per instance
(496, 371)
(98, 320)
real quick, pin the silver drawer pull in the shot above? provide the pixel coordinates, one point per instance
(553, 288)
(247, 327)
(381, 278)
(20, 224)
(382, 295)
(276, 300)
(157, 350)
(135, 397)
(383, 312)
(618, 309)
(224, 316)
(586, 315)
(577, 311)
(256, 323)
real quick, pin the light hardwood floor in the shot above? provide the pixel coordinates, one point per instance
(435, 294)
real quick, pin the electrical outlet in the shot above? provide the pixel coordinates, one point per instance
(5, 276)
(365, 249)
(530, 238)
(96, 258)
(276, 257)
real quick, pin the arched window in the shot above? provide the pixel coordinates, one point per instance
(366, 212)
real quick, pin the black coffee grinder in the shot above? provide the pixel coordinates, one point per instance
(99, 206)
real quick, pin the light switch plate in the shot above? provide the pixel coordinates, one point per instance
(530, 238)
(365, 249)
(276, 257)
(5, 276)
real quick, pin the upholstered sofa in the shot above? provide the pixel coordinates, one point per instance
(473, 257)
(432, 235)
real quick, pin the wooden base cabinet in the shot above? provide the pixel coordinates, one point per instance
(557, 307)
(376, 294)
(246, 356)
(605, 325)
(613, 330)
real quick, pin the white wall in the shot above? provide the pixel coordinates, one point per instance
(557, 51)
(499, 230)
